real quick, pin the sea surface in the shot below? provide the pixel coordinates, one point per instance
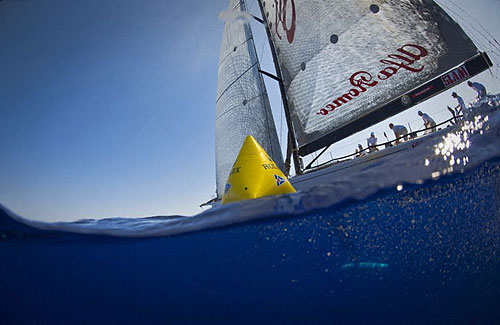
(425, 249)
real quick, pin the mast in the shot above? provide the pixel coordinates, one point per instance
(347, 65)
(242, 105)
(292, 141)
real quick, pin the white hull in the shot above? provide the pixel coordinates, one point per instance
(428, 156)
(355, 167)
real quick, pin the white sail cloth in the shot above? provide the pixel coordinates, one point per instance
(343, 59)
(242, 104)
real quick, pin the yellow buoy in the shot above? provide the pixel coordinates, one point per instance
(254, 175)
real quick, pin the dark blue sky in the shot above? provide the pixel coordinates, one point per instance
(107, 107)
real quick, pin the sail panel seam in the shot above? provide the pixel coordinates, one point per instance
(232, 83)
(229, 55)
(232, 108)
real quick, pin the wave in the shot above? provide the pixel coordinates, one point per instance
(454, 151)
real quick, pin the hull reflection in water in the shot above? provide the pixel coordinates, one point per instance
(365, 265)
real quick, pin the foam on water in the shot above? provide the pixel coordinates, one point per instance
(459, 149)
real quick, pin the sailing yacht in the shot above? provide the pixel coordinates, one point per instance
(342, 66)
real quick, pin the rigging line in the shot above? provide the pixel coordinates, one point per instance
(269, 119)
(232, 83)
(238, 4)
(232, 61)
(475, 21)
(251, 5)
(266, 108)
(248, 33)
(473, 32)
(473, 35)
(281, 124)
(468, 22)
(494, 77)
(232, 52)
(361, 138)
(234, 107)
(262, 50)
(254, 97)
(496, 56)
(382, 144)
(493, 51)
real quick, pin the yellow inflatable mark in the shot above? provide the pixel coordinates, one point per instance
(254, 175)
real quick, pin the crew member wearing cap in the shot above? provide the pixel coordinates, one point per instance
(372, 143)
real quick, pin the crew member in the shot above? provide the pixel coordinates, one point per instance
(461, 105)
(428, 121)
(372, 143)
(479, 88)
(400, 131)
(360, 151)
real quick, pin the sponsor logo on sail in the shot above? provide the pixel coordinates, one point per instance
(281, 22)
(405, 59)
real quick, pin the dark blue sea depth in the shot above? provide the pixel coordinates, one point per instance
(426, 254)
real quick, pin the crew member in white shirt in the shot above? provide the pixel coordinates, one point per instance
(479, 88)
(461, 104)
(372, 142)
(428, 121)
(400, 131)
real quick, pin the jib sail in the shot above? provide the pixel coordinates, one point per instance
(242, 103)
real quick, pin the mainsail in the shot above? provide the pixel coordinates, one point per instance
(347, 65)
(242, 103)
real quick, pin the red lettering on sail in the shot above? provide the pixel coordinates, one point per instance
(281, 19)
(406, 59)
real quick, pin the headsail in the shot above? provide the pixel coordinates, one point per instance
(242, 103)
(344, 63)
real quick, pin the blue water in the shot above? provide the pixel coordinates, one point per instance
(427, 252)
